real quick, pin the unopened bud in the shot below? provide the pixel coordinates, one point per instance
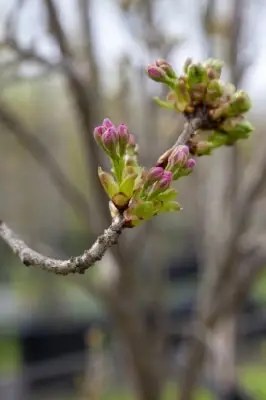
(98, 133)
(123, 138)
(196, 74)
(107, 123)
(166, 67)
(237, 127)
(214, 68)
(153, 175)
(190, 164)
(178, 157)
(161, 185)
(157, 74)
(165, 180)
(214, 91)
(110, 141)
(240, 103)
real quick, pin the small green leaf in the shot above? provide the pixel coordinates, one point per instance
(108, 182)
(168, 195)
(144, 210)
(127, 185)
(170, 206)
(163, 103)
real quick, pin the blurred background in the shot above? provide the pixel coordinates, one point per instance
(177, 309)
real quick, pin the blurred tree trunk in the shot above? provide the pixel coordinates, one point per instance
(223, 338)
(218, 246)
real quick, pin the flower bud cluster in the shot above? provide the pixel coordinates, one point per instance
(114, 140)
(137, 193)
(200, 93)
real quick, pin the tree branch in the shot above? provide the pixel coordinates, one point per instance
(230, 301)
(252, 187)
(27, 53)
(189, 128)
(78, 264)
(42, 155)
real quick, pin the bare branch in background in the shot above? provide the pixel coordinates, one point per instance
(86, 105)
(41, 154)
(229, 272)
(29, 54)
(78, 264)
(231, 301)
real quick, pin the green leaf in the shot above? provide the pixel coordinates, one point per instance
(168, 195)
(108, 182)
(144, 210)
(163, 103)
(127, 185)
(170, 206)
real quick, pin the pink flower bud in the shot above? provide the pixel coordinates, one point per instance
(166, 67)
(122, 131)
(98, 132)
(184, 149)
(107, 123)
(132, 140)
(161, 185)
(157, 74)
(190, 164)
(178, 157)
(166, 180)
(123, 138)
(154, 174)
(110, 141)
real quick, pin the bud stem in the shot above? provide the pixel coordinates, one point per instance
(118, 168)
